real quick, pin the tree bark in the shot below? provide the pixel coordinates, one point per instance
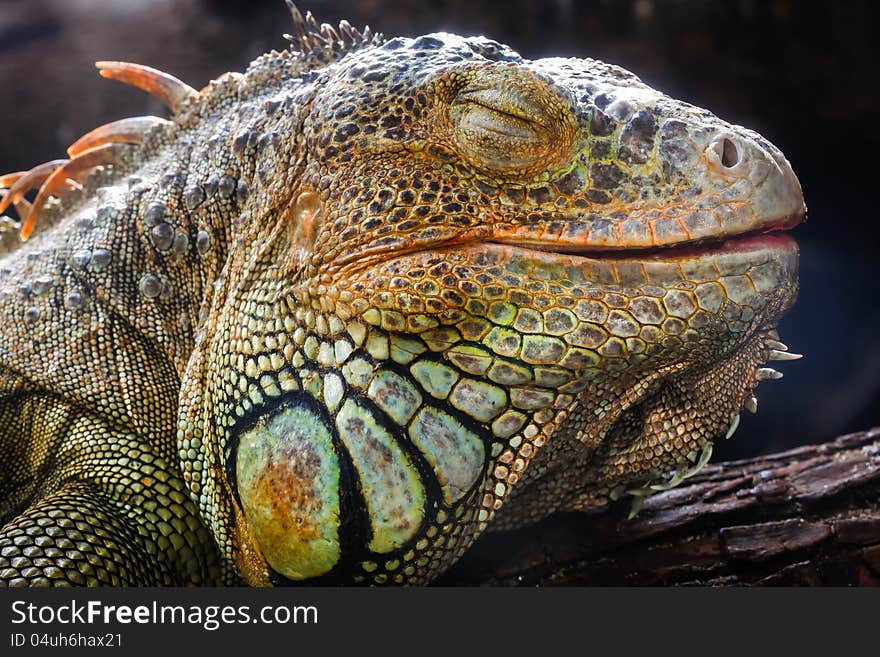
(808, 516)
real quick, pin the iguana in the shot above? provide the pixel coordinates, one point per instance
(343, 311)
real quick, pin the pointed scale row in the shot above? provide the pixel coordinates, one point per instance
(310, 37)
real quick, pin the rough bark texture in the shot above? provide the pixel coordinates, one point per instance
(808, 516)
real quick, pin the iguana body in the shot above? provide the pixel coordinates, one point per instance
(321, 325)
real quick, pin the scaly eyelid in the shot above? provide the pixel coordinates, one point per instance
(503, 103)
(487, 119)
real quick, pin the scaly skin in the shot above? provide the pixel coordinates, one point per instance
(324, 323)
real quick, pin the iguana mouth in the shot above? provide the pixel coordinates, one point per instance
(767, 235)
(770, 236)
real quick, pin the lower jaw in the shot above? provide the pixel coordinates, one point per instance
(769, 260)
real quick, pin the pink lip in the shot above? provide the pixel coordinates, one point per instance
(749, 243)
(774, 241)
(743, 243)
(767, 236)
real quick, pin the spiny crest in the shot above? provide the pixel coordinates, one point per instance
(324, 41)
(102, 147)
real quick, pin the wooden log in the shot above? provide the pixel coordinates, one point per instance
(808, 516)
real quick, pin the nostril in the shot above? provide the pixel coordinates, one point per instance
(729, 153)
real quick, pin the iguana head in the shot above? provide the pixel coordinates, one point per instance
(459, 273)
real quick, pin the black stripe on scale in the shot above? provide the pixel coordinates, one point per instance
(433, 492)
(355, 530)
(353, 545)
(354, 522)
(252, 417)
(484, 432)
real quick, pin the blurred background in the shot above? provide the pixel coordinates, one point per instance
(802, 74)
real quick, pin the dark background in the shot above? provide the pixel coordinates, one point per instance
(802, 74)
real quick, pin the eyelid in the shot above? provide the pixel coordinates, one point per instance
(505, 103)
(489, 119)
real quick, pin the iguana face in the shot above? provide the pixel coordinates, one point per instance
(491, 280)
(448, 140)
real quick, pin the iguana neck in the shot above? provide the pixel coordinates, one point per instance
(147, 241)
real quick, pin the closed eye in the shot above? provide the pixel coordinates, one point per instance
(507, 103)
(490, 119)
(508, 121)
